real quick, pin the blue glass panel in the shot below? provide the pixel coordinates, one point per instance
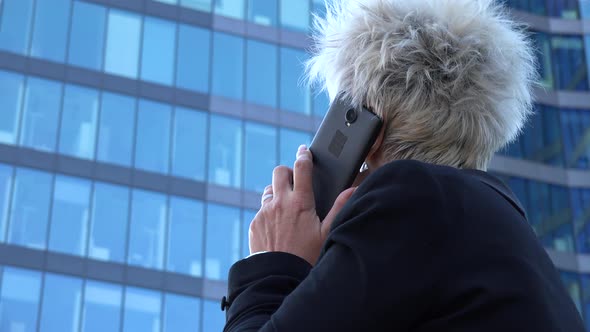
(171, 2)
(213, 318)
(263, 12)
(30, 208)
(5, 191)
(202, 5)
(318, 7)
(558, 230)
(585, 9)
(181, 313)
(108, 228)
(228, 65)
(571, 281)
(189, 144)
(587, 42)
(247, 217)
(147, 230)
(261, 73)
(11, 93)
(544, 62)
(116, 129)
(102, 307)
(290, 141)
(142, 310)
(223, 241)
(41, 114)
(260, 157)
(87, 35)
(19, 300)
(52, 18)
(185, 236)
(15, 25)
(569, 63)
(225, 151)
(294, 96)
(69, 215)
(295, 15)
(157, 56)
(230, 8)
(78, 122)
(321, 104)
(152, 147)
(192, 62)
(123, 39)
(567, 9)
(61, 303)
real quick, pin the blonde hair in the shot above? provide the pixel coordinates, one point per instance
(452, 78)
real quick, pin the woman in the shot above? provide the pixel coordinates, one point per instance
(428, 241)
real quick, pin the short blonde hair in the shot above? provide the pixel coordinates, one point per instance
(453, 78)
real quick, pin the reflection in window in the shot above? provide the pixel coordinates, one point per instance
(61, 303)
(87, 35)
(295, 15)
(157, 56)
(192, 62)
(247, 217)
(260, 156)
(570, 64)
(213, 318)
(153, 137)
(541, 139)
(223, 241)
(261, 73)
(147, 230)
(263, 12)
(544, 62)
(108, 226)
(202, 5)
(15, 25)
(19, 300)
(580, 202)
(230, 8)
(189, 144)
(30, 208)
(182, 314)
(78, 122)
(50, 29)
(228, 65)
(576, 137)
(102, 307)
(142, 310)
(69, 215)
(11, 93)
(290, 141)
(5, 189)
(122, 49)
(225, 151)
(116, 129)
(294, 96)
(41, 114)
(185, 236)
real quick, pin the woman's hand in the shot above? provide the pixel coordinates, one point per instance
(287, 220)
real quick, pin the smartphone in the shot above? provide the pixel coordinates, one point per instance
(339, 148)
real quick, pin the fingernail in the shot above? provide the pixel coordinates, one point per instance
(302, 147)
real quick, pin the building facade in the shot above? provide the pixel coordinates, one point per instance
(136, 136)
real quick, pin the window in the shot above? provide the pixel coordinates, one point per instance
(544, 62)
(189, 144)
(19, 299)
(15, 25)
(203, 5)
(321, 104)
(181, 313)
(157, 57)
(61, 303)
(576, 127)
(102, 307)
(87, 35)
(153, 137)
(50, 29)
(290, 141)
(228, 65)
(185, 236)
(263, 12)
(78, 122)
(261, 73)
(213, 318)
(294, 96)
(569, 63)
(295, 15)
(567, 9)
(247, 217)
(69, 215)
(122, 53)
(5, 190)
(580, 202)
(541, 140)
(223, 241)
(585, 9)
(192, 62)
(259, 162)
(571, 281)
(116, 129)
(225, 151)
(557, 227)
(11, 93)
(318, 7)
(148, 222)
(30, 208)
(230, 8)
(41, 114)
(108, 226)
(142, 310)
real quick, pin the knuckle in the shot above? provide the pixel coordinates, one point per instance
(303, 164)
(280, 170)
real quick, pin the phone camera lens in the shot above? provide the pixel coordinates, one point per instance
(350, 116)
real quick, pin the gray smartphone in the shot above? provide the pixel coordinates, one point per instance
(339, 148)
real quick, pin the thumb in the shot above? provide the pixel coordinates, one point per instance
(338, 205)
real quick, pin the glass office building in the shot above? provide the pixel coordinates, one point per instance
(136, 136)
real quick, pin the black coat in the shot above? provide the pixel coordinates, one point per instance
(418, 247)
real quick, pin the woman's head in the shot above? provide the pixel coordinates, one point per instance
(451, 78)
